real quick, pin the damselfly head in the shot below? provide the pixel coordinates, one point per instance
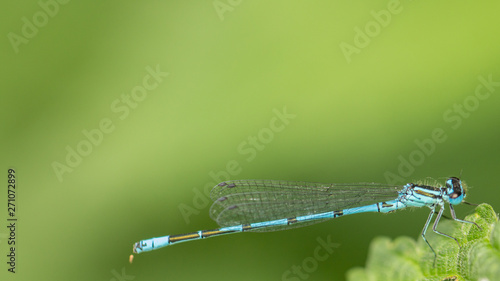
(455, 190)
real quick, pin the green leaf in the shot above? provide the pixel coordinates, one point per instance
(477, 258)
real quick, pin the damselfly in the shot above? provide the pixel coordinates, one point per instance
(270, 205)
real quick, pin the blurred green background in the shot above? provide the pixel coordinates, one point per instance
(365, 82)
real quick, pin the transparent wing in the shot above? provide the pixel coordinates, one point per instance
(250, 201)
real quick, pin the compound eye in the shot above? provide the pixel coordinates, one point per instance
(454, 189)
